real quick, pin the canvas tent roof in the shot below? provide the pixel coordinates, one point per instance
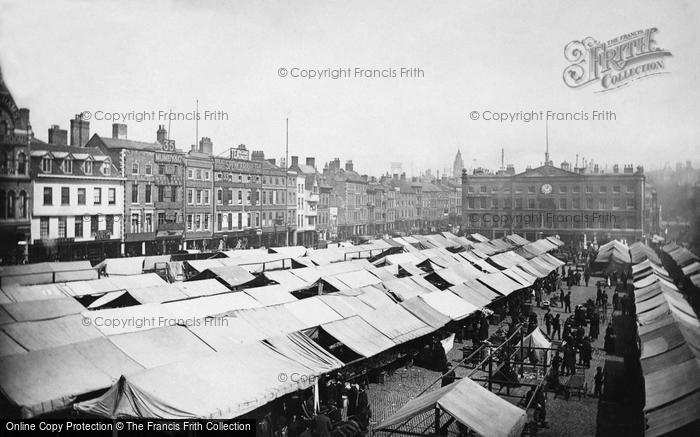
(270, 294)
(204, 306)
(24, 293)
(404, 288)
(155, 347)
(157, 293)
(223, 337)
(672, 416)
(271, 321)
(204, 287)
(372, 296)
(290, 251)
(301, 349)
(357, 279)
(47, 380)
(47, 272)
(44, 334)
(419, 308)
(500, 283)
(122, 266)
(397, 323)
(358, 335)
(471, 405)
(158, 393)
(449, 304)
(312, 312)
(231, 276)
(471, 296)
(346, 306)
(42, 309)
(287, 279)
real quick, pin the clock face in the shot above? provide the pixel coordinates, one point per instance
(546, 189)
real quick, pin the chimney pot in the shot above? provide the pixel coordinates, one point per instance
(311, 162)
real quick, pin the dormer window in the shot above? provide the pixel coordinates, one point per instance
(46, 164)
(87, 167)
(106, 168)
(67, 165)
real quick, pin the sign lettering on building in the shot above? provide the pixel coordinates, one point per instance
(14, 139)
(174, 158)
(222, 164)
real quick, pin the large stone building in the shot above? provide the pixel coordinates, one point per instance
(15, 185)
(548, 200)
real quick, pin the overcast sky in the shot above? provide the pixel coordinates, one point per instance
(63, 57)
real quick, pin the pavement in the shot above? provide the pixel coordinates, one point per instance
(617, 413)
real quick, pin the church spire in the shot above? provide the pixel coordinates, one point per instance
(546, 140)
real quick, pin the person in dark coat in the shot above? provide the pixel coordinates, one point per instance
(598, 381)
(556, 327)
(449, 377)
(616, 301)
(586, 352)
(586, 276)
(567, 302)
(594, 330)
(609, 345)
(569, 360)
(548, 317)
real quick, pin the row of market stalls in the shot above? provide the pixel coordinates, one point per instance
(669, 340)
(130, 344)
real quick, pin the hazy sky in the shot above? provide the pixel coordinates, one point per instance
(63, 57)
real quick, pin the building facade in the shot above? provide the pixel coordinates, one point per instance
(199, 201)
(78, 209)
(15, 184)
(136, 163)
(583, 203)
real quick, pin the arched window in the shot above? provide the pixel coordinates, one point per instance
(3, 127)
(23, 204)
(11, 204)
(22, 163)
(2, 204)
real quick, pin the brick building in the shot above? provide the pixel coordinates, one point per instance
(199, 200)
(135, 161)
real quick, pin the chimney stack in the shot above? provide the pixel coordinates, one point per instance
(348, 165)
(295, 161)
(311, 162)
(257, 155)
(79, 131)
(24, 118)
(58, 136)
(616, 168)
(161, 134)
(205, 145)
(119, 131)
(403, 176)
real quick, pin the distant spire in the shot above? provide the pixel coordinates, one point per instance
(546, 139)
